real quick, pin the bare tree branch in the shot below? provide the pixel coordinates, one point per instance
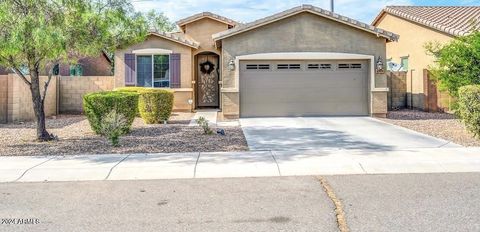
(17, 71)
(45, 87)
(50, 75)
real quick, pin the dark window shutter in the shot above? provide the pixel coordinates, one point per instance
(130, 77)
(175, 70)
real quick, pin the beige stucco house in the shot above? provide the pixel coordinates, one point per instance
(416, 26)
(305, 61)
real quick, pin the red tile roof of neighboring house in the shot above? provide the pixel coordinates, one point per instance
(453, 20)
(312, 9)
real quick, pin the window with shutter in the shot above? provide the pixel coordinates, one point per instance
(158, 71)
(175, 70)
(130, 70)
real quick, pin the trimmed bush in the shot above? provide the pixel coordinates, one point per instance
(155, 105)
(98, 105)
(468, 107)
(131, 89)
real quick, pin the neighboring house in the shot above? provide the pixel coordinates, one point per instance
(416, 26)
(305, 61)
(89, 66)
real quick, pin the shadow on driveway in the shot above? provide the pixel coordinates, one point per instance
(283, 138)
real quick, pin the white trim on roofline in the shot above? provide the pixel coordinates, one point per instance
(149, 51)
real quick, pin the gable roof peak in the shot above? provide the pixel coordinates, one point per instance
(175, 38)
(206, 14)
(311, 9)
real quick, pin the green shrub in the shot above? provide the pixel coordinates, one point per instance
(468, 107)
(131, 89)
(155, 105)
(98, 105)
(202, 122)
(112, 126)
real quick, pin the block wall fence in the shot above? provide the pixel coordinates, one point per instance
(64, 95)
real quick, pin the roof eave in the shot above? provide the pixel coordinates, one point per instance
(236, 31)
(176, 39)
(199, 16)
(379, 16)
(433, 26)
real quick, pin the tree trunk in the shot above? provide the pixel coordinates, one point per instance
(38, 108)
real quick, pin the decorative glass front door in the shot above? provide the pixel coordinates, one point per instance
(207, 79)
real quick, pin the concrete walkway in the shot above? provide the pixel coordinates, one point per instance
(238, 164)
(209, 114)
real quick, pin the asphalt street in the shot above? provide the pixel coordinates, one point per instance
(243, 204)
(412, 202)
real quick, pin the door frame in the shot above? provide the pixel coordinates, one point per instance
(196, 76)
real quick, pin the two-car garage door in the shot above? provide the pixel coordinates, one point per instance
(303, 88)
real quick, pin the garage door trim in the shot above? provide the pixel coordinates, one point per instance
(289, 88)
(306, 56)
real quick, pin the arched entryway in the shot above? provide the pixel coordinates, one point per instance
(207, 77)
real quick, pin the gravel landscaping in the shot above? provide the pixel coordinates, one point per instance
(440, 125)
(76, 137)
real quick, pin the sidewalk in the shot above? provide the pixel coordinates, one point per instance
(237, 164)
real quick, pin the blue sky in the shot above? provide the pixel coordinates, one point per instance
(249, 10)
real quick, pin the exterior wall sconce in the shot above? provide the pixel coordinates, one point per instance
(231, 65)
(380, 66)
(190, 102)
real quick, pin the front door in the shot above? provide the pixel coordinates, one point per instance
(207, 79)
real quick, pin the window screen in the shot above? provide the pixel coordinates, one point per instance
(404, 63)
(144, 71)
(161, 75)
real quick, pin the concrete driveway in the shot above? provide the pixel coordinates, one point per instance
(314, 133)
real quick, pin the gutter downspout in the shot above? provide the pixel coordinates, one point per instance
(411, 89)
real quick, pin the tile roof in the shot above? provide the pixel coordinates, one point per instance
(453, 20)
(175, 38)
(306, 8)
(211, 15)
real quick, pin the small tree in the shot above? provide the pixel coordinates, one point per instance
(158, 21)
(457, 62)
(39, 34)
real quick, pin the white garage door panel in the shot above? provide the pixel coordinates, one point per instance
(303, 92)
(307, 95)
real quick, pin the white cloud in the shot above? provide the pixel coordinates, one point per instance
(249, 10)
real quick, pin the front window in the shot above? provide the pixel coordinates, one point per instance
(404, 63)
(76, 70)
(24, 70)
(153, 71)
(161, 74)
